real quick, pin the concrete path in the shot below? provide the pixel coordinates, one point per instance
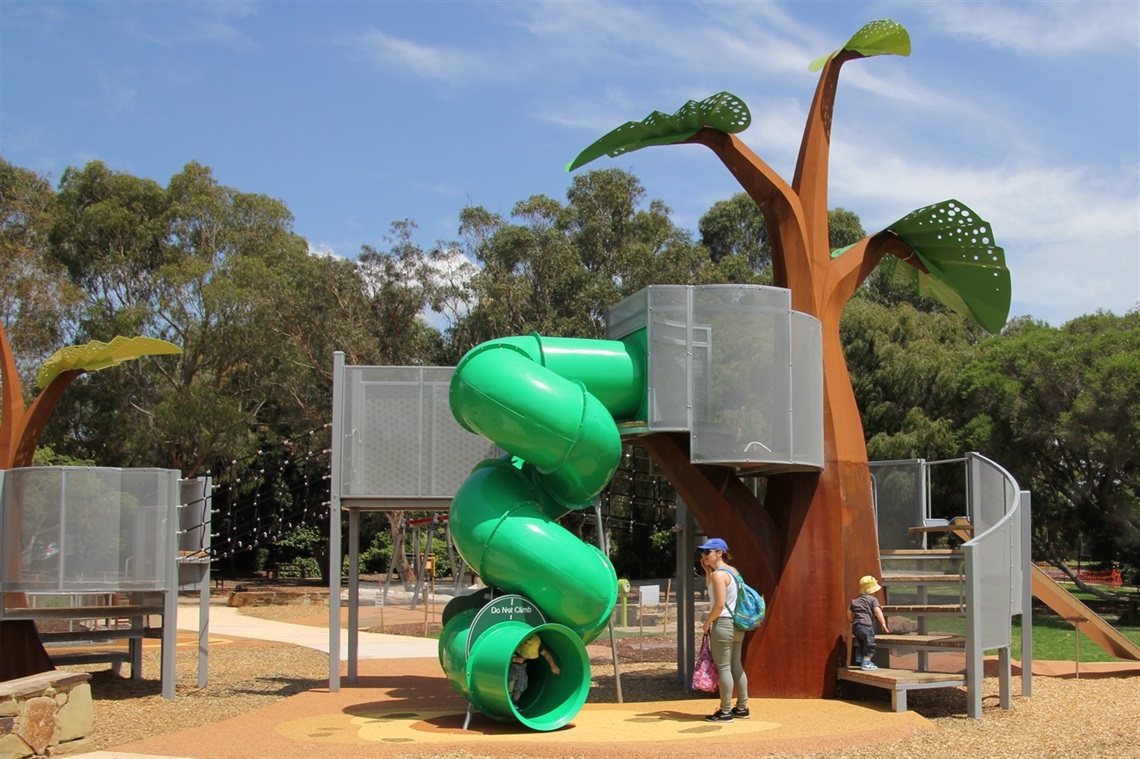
(228, 621)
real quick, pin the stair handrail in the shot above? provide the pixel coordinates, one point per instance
(994, 563)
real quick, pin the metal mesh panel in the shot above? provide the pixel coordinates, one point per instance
(451, 451)
(899, 502)
(668, 360)
(87, 529)
(807, 390)
(992, 561)
(734, 366)
(992, 492)
(747, 416)
(995, 550)
(399, 437)
(194, 515)
(628, 315)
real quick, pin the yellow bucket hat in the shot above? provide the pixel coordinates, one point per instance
(528, 649)
(868, 584)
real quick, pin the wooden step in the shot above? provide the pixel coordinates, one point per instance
(899, 681)
(935, 642)
(927, 609)
(902, 677)
(83, 612)
(955, 528)
(920, 579)
(920, 553)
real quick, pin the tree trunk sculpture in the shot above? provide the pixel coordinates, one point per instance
(814, 536)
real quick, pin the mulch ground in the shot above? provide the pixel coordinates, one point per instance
(1094, 716)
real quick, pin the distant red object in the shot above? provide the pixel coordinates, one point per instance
(1092, 577)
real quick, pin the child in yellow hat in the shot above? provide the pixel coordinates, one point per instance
(862, 613)
(530, 648)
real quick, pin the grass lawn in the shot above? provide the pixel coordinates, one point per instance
(1054, 638)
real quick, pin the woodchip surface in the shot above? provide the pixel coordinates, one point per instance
(1090, 717)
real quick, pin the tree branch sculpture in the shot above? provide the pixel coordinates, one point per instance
(825, 528)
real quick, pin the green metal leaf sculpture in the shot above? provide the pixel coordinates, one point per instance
(723, 111)
(98, 355)
(882, 37)
(965, 268)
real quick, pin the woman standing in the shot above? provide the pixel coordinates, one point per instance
(726, 640)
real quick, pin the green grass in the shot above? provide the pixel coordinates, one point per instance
(1054, 638)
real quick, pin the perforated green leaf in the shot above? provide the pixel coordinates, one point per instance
(882, 37)
(723, 111)
(97, 355)
(965, 268)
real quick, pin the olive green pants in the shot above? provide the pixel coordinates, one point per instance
(726, 641)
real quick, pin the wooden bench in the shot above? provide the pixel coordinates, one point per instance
(899, 681)
(292, 569)
(136, 616)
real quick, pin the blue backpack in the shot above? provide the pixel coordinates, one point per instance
(750, 607)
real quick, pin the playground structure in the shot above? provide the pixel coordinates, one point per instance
(104, 550)
(908, 514)
(729, 376)
(20, 430)
(675, 365)
(985, 581)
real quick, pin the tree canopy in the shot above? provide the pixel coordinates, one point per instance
(221, 274)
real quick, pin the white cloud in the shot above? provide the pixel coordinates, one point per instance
(439, 63)
(118, 93)
(323, 250)
(194, 23)
(214, 23)
(1040, 27)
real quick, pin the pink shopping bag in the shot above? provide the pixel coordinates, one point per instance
(705, 676)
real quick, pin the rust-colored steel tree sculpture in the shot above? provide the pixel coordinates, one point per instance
(20, 431)
(814, 535)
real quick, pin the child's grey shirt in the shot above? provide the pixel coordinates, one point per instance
(863, 610)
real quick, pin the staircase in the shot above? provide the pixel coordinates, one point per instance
(921, 584)
(962, 599)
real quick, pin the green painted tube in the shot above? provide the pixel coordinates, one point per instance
(552, 403)
(453, 650)
(611, 370)
(548, 420)
(550, 701)
(501, 524)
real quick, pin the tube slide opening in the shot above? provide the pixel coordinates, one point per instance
(549, 701)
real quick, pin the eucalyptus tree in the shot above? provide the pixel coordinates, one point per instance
(182, 263)
(556, 269)
(35, 296)
(905, 367)
(1062, 413)
(402, 283)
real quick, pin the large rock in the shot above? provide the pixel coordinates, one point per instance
(45, 714)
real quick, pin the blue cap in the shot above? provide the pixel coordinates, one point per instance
(715, 544)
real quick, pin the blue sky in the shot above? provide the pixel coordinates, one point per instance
(358, 114)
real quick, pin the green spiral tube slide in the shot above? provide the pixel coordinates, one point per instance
(552, 404)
